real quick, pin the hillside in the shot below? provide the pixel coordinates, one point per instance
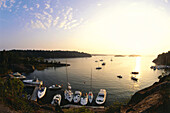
(163, 59)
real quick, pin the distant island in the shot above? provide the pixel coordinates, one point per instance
(163, 59)
(29, 60)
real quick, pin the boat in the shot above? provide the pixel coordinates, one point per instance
(98, 68)
(33, 81)
(56, 100)
(103, 63)
(77, 96)
(119, 76)
(90, 94)
(101, 97)
(111, 59)
(135, 72)
(17, 75)
(68, 95)
(55, 87)
(41, 92)
(96, 61)
(133, 78)
(101, 60)
(84, 99)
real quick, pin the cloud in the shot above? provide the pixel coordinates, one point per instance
(31, 8)
(51, 10)
(37, 24)
(47, 6)
(37, 5)
(25, 6)
(55, 22)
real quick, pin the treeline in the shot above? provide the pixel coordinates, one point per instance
(48, 54)
(163, 59)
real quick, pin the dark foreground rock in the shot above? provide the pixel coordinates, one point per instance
(154, 99)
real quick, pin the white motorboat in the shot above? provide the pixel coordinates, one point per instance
(55, 87)
(101, 97)
(68, 95)
(41, 92)
(84, 99)
(33, 81)
(90, 96)
(17, 75)
(77, 96)
(56, 100)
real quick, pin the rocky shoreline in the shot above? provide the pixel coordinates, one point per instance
(153, 99)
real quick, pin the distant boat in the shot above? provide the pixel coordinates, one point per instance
(119, 76)
(135, 72)
(55, 87)
(77, 96)
(101, 60)
(133, 78)
(101, 97)
(98, 68)
(111, 59)
(96, 61)
(56, 100)
(103, 63)
(84, 99)
(41, 92)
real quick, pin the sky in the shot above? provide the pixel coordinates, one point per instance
(92, 26)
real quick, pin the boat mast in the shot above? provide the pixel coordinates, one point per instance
(91, 79)
(66, 74)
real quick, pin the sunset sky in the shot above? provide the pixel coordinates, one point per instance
(92, 26)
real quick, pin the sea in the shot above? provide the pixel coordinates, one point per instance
(83, 76)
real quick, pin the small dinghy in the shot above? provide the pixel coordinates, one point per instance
(41, 92)
(77, 96)
(90, 96)
(56, 100)
(98, 68)
(84, 99)
(103, 64)
(135, 72)
(101, 97)
(55, 87)
(68, 95)
(33, 81)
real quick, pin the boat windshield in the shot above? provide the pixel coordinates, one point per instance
(101, 95)
(100, 100)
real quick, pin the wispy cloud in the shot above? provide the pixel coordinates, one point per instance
(37, 5)
(47, 6)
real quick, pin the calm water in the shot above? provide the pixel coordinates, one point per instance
(79, 76)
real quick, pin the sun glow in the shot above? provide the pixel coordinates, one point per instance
(130, 27)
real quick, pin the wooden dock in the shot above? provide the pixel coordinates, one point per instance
(34, 94)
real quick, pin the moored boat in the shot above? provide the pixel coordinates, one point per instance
(90, 96)
(134, 78)
(103, 63)
(56, 100)
(101, 97)
(55, 87)
(17, 75)
(77, 96)
(84, 99)
(41, 92)
(33, 81)
(98, 68)
(68, 95)
(135, 72)
(119, 76)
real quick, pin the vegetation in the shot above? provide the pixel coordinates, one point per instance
(12, 95)
(78, 110)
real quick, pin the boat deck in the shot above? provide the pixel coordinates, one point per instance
(34, 94)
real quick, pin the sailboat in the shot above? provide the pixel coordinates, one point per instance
(90, 95)
(98, 68)
(68, 93)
